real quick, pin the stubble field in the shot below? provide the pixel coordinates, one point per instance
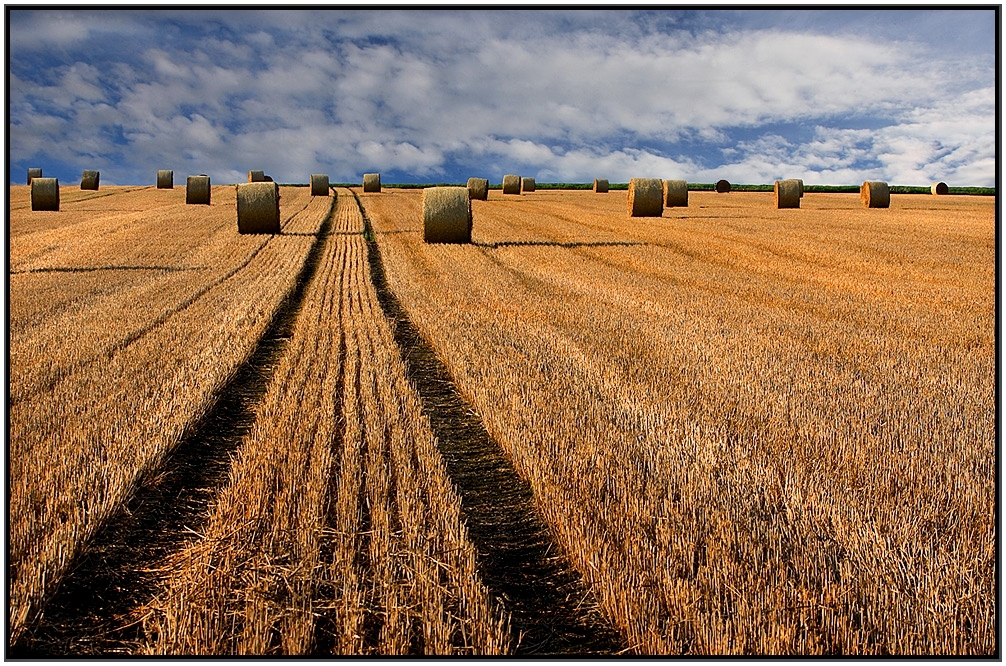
(745, 430)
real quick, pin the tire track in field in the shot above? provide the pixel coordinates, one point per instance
(551, 611)
(93, 269)
(111, 350)
(97, 608)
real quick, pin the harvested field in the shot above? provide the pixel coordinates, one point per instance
(353, 542)
(725, 415)
(705, 434)
(120, 335)
(365, 550)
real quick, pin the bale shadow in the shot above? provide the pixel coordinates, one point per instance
(92, 269)
(563, 244)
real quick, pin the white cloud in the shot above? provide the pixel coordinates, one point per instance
(565, 97)
(44, 30)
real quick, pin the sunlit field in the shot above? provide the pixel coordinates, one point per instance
(744, 430)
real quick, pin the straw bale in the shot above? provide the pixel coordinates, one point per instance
(875, 194)
(371, 182)
(44, 193)
(939, 188)
(646, 197)
(511, 184)
(722, 186)
(675, 193)
(258, 208)
(527, 184)
(34, 173)
(787, 193)
(319, 185)
(600, 185)
(478, 188)
(197, 189)
(447, 215)
(165, 179)
(89, 180)
(256, 176)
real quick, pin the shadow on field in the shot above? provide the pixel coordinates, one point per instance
(92, 269)
(551, 610)
(95, 610)
(567, 244)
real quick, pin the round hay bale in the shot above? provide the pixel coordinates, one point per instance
(722, 186)
(371, 182)
(256, 176)
(787, 193)
(600, 185)
(89, 180)
(527, 184)
(511, 184)
(646, 197)
(875, 194)
(800, 183)
(165, 179)
(319, 185)
(675, 193)
(258, 208)
(478, 188)
(34, 173)
(197, 189)
(44, 193)
(940, 188)
(447, 215)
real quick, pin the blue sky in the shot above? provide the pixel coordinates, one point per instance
(830, 96)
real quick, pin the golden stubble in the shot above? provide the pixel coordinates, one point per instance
(338, 531)
(127, 316)
(754, 430)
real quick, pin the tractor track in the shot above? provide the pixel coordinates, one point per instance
(97, 607)
(551, 610)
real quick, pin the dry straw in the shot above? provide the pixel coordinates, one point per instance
(371, 182)
(939, 188)
(646, 197)
(89, 180)
(511, 184)
(478, 188)
(165, 179)
(197, 189)
(722, 186)
(34, 173)
(44, 193)
(319, 185)
(875, 194)
(258, 208)
(787, 193)
(600, 185)
(527, 184)
(447, 215)
(800, 182)
(256, 176)
(675, 193)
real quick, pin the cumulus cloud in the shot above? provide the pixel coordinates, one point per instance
(439, 95)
